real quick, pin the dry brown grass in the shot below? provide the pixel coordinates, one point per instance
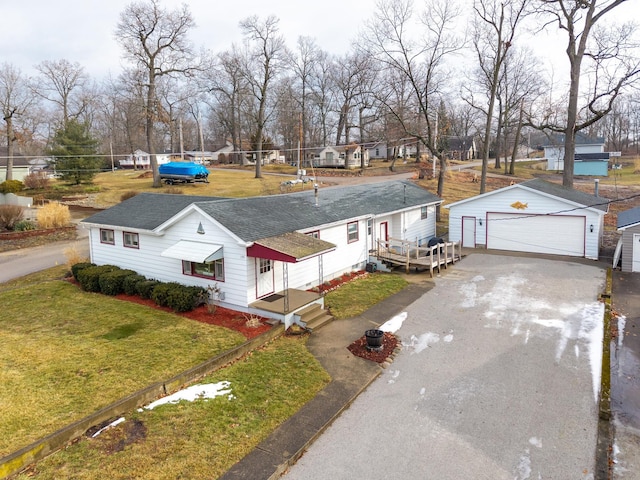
(73, 256)
(53, 215)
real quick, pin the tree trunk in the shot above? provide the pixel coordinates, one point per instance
(151, 103)
(9, 121)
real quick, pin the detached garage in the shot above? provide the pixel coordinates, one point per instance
(534, 216)
(628, 223)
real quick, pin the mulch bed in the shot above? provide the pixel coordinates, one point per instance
(359, 348)
(222, 317)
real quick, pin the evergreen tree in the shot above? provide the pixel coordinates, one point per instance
(74, 151)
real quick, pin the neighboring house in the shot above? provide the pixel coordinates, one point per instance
(338, 156)
(554, 153)
(22, 166)
(260, 249)
(534, 216)
(628, 223)
(222, 153)
(376, 150)
(142, 160)
(461, 148)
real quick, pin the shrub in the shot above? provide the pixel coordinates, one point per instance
(24, 225)
(130, 283)
(89, 278)
(146, 287)
(160, 293)
(76, 268)
(53, 215)
(11, 186)
(183, 298)
(111, 283)
(10, 215)
(37, 181)
(73, 256)
(128, 195)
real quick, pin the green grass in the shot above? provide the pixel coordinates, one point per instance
(353, 298)
(66, 353)
(205, 438)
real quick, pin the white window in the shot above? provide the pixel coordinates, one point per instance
(106, 236)
(423, 213)
(130, 240)
(213, 270)
(352, 232)
(265, 265)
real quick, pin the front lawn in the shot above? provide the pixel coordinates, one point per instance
(204, 438)
(66, 353)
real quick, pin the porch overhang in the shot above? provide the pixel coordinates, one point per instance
(291, 247)
(198, 252)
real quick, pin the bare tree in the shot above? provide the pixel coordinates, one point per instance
(15, 100)
(613, 64)
(494, 31)
(419, 61)
(266, 56)
(59, 80)
(156, 41)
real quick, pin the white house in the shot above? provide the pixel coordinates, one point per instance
(534, 216)
(554, 150)
(262, 254)
(142, 160)
(628, 223)
(340, 156)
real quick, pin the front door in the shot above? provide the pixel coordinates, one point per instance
(384, 234)
(264, 277)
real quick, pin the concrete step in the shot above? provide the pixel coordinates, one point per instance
(314, 316)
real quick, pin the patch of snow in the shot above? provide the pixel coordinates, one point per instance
(592, 332)
(423, 391)
(622, 322)
(423, 341)
(448, 338)
(393, 325)
(523, 470)
(112, 424)
(536, 442)
(469, 293)
(394, 374)
(195, 392)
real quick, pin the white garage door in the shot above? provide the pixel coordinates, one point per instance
(552, 234)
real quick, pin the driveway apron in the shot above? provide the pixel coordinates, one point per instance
(498, 378)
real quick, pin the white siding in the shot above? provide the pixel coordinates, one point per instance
(537, 204)
(147, 260)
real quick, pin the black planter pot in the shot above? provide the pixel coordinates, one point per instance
(374, 339)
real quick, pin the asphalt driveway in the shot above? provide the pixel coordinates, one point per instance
(498, 378)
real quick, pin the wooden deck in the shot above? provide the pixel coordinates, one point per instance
(410, 255)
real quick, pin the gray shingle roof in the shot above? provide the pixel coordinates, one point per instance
(254, 218)
(628, 217)
(145, 211)
(576, 196)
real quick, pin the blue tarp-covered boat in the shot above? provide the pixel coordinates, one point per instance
(180, 172)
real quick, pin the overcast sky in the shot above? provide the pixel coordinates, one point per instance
(83, 30)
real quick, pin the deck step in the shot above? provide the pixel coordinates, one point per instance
(314, 316)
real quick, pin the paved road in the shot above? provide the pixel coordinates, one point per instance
(17, 263)
(497, 379)
(625, 377)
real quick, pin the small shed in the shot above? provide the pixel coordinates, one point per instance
(629, 224)
(534, 216)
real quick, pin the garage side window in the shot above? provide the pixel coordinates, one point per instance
(423, 213)
(213, 270)
(106, 236)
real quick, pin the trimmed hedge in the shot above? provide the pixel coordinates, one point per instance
(89, 278)
(145, 288)
(111, 283)
(80, 266)
(130, 283)
(178, 297)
